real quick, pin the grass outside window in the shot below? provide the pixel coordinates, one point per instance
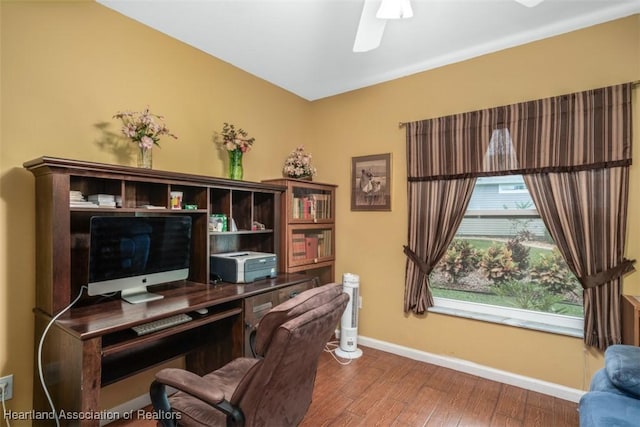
(503, 256)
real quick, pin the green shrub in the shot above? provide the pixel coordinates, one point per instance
(519, 252)
(460, 259)
(497, 264)
(552, 273)
(529, 296)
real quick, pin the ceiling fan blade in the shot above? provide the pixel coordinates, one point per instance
(529, 3)
(395, 9)
(370, 28)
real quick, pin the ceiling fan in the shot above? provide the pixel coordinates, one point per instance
(375, 14)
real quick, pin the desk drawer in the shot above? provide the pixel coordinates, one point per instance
(291, 291)
(257, 306)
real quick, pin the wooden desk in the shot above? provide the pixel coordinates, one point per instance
(630, 308)
(92, 346)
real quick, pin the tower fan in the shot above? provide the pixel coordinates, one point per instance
(349, 323)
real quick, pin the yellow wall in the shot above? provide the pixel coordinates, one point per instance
(366, 122)
(68, 67)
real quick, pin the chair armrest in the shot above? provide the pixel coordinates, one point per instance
(194, 385)
(190, 383)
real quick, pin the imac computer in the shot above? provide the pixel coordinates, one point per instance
(129, 253)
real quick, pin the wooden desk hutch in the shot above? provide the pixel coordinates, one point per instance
(92, 345)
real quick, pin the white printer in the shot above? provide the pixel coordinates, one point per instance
(244, 266)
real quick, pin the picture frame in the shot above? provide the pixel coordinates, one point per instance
(371, 183)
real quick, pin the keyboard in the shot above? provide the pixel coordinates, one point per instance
(158, 325)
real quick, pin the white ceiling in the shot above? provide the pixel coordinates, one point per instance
(305, 46)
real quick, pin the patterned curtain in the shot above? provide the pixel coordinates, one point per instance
(585, 213)
(574, 151)
(446, 202)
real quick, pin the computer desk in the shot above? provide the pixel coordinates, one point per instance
(93, 346)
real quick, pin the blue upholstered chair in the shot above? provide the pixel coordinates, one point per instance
(613, 399)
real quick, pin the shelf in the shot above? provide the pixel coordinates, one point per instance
(123, 341)
(63, 232)
(92, 344)
(308, 224)
(231, 233)
(139, 210)
(174, 343)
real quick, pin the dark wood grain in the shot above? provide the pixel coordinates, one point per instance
(92, 344)
(179, 297)
(382, 389)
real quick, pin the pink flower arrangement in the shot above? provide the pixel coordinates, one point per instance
(144, 128)
(236, 139)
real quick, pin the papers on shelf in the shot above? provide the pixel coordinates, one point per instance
(77, 200)
(82, 204)
(103, 200)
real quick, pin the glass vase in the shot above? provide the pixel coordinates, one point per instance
(235, 164)
(145, 158)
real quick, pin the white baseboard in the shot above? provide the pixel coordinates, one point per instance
(129, 409)
(544, 387)
(527, 383)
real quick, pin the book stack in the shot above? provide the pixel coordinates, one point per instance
(298, 246)
(77, 200)
(315, 206)
(311, 245)
(103, 200)
(322, 206)
(324, 243)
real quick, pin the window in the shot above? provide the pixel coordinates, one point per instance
(503, 261)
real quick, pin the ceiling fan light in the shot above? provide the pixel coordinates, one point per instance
(395, 9)
(530, 3)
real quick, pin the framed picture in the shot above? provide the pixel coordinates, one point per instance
(371, 183)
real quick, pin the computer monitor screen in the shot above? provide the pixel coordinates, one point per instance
(129, 253)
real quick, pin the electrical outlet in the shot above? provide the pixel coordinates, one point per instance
(6, 387)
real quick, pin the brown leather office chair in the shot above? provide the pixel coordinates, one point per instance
(273, 389)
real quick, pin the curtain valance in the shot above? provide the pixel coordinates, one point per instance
(579, 131)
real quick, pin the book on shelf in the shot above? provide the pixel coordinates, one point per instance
(323, 206)
(306, 207)
(326, 243)
(82, 204)
(311, 246)
(103, 197)
(77, 200)
(322, 250)
(298, 246)
(314, 206)
(103, 200)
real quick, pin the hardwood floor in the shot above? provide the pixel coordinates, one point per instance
(382, 389)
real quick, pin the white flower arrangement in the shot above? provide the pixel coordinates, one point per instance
(298, 164)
